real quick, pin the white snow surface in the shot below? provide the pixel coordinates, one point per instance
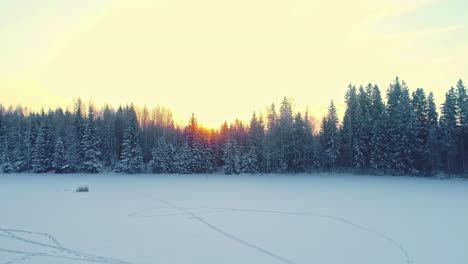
(303, 219)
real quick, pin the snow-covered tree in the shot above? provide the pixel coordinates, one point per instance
(298, 144)
(60, 163)
(272, 150)
(448, 124)
(42, 154)
(400, 122)
(256, 137)
(462, 118)
(131, 160)
(433, 135)
(420, 150)
(202, 157)
(231, 157)
(329, 138)
(249, 162)
(377, 143)
(163, 158)
(183, 159)
(91, 153)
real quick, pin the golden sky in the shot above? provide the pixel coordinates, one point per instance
(224, 59)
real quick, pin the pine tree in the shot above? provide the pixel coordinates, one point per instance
(231, 157)
(60, 163)
(91, 153)
(131, 160)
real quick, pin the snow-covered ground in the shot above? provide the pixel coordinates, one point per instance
(326, 219)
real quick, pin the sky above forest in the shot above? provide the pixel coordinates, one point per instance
(225, 59)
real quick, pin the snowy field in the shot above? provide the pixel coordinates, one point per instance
(148, 219)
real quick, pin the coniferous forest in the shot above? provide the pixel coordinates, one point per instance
(394, 133)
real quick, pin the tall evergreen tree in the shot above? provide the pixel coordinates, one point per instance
(183, 159)
(298, 144)
(399, 127)
(285, 127)
(329, 138)
(377, 144)
(231, 157)
(256, 137)
(272, 153)
(433, 133)
(421, 130)
(91, 153)
(449, 127)
(42, 160)
(348, 131)
(462, 116)
(131, 160)
(60, 163)
(249, 162)
(163, 158)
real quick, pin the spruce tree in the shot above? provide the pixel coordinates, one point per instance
(76, 146)
(183, 159)
(348, 131)
(272, 152)
(399, 127)
(256, 137)
(249, 162)
(131, 160)
(231, 157)
(285, 127)
(163, 158)
(462, 119)
(298, 144)
(433, 135)
(60, 163)
(91, 153)
(448, 124)
(42, 159)
(329, 138)
(421, 130)
(377, 144)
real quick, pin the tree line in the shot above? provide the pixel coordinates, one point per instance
(405, 134)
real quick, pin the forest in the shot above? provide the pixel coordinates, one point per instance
(396, 134)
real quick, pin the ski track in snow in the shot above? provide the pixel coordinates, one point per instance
(193, 215)
(396, 244)
(54, 248)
